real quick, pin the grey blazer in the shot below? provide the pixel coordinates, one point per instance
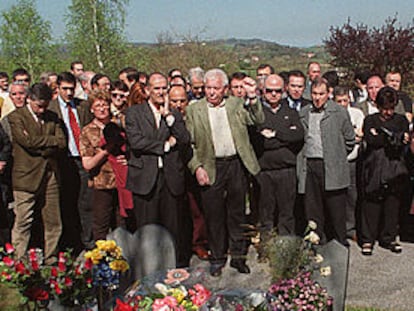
(338, 140)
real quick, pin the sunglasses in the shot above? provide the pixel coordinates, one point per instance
(279, 91)
(23, 80)
(116, 95)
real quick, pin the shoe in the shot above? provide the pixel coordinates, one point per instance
(201, 253)
(366, 249)
(216, 270)
(394, 247)
(240, 265)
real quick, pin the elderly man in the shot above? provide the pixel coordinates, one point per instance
(37, 139)
(393, 79)
(159, 147)
(196, 82)
(314, 71)
(222, 155)
(322, 166)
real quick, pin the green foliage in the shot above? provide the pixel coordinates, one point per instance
(25, 37)
(94, 33)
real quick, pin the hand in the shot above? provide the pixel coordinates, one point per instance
(2, 166)
(358, 135)
(268, 133)
(250, 86)
(121, 159)
(406, 138)
(373, 131)
(172, 141)
(165, 109)
(202, 176)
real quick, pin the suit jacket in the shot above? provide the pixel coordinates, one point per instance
(240, 118)
(338, 140)
(35, 148)
(146, 144)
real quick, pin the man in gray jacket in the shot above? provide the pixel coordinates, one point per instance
(323, 169)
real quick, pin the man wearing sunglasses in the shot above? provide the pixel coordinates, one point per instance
(21, 76)
(281, 140)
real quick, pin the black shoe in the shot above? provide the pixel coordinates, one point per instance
(240, 265)
(366, 249)
(394, 247)
(216, 270)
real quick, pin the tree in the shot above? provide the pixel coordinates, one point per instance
(390, 47)
(94, 33)
(25, 37)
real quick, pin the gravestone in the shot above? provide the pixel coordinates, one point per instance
(150, 249)
(335, 256)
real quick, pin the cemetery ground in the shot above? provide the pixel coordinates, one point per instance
(381, 282)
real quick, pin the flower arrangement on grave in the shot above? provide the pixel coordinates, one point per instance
(107, 264)
(68, 281)
(293, 261)
(170, 295)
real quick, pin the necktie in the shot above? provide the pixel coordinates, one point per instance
(74, 126)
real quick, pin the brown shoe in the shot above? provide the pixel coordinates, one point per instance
(201, 253)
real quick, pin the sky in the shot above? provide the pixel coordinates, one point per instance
(299, 23)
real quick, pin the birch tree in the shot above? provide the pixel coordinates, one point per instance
(95, 33)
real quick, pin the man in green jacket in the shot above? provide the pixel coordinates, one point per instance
(222, 155)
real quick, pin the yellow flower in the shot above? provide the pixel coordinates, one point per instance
(116, 252)
(178, 294)
(325, 271)
(106, 245)
(119, 265)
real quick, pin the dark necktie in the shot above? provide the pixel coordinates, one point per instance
(74, 126)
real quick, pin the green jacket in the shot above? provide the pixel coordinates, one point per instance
(239, 117)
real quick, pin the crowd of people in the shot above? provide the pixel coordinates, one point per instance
(209, 156)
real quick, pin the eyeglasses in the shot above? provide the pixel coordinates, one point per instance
(100, 106)
(23, 80)
(279, 91)
(118, 95)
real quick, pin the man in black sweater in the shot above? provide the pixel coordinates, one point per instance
(281, 139)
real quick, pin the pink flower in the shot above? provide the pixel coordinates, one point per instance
(20, 268)
(8, 261)
(32, 255)
(62, 258)
(61, 267)
(9, 248)
(54, 272)
(6, 276)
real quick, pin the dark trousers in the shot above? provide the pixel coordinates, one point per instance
(161, 207)
(104, 211)
(277, 200)
(224, 205)
(326, 208)
(351, 201)
(75, 203)
(379, 219)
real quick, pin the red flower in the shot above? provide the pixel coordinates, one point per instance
(8, 261)
(89, 281)
(9, 248)
(54, 272)
(62, 257)
(20, 268)
(36, 293)
(122, 306)
(35, 266)
(32, 255)
(61, 267)
(68, 281)
(6, 276)
(88, 264)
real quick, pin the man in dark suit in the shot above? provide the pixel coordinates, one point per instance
(222, 154)
(295, 88)
(76, 210)
(37, 140)
(159, 145)
(282, 139)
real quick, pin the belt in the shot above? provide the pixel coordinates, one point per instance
(228, 158)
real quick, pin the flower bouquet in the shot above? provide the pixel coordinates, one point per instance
(107, 265)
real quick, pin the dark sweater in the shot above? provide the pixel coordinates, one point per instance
(280, 151)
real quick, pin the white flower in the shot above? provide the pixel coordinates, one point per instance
(312, 237)
(162, 288)
(312, 225)
(325, 271)
(256, 299)
(318, 258)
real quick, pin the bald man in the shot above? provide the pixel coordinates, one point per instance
(282, 138)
